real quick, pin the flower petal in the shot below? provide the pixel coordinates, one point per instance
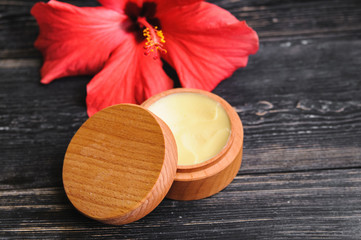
(120, 5)
(128, 77)
(75, 40)
(166, 5)
(206, 44)
(117, 5)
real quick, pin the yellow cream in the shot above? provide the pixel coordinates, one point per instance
(200, 125)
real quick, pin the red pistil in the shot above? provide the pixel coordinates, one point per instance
(154, 39)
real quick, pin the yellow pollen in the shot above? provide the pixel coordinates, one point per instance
(154, 41)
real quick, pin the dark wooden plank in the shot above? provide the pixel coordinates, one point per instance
(300, 112)
(273, 20)
(304, 205)
(280, 19)
(300, 102)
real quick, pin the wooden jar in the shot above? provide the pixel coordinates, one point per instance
(122, 162)
(205, 179)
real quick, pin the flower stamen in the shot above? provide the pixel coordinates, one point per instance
(154, 39)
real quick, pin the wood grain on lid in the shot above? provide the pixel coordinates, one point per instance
(115, 161)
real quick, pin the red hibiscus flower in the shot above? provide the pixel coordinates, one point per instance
(123, 40)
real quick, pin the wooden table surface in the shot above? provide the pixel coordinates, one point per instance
(300, 102)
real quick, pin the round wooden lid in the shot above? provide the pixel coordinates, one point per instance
(120, 164)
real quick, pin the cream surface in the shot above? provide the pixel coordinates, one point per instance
(200, 125)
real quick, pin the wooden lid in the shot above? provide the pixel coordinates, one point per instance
(120, 164)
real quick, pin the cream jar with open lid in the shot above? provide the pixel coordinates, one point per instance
(200, 180)
(123, 160)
